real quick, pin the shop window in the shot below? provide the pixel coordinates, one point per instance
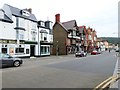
(45, 49)
(4, 50)
(27, 51)
(42, 50)
(48, 49)
(19, 50)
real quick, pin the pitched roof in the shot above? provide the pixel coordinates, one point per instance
(5, 18)
(81, 29)
(17, 12)
(69, 24)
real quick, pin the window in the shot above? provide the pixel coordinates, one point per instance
(20, 22)
(27, 51)
(41, 36)
(89, 37)
(42, 50)
(19, 50)
(48, 49)
(33, 33)
(45, 36)
(17, 22)
(45, 48)
(95, 38)
(4, 50)
(34, 26)
(20, 34)
(6, 55)
(74, 33)
(42, 24)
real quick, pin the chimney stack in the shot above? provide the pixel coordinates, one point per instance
(57, 18)
(29, 10)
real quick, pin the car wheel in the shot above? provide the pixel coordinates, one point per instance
(16, 64)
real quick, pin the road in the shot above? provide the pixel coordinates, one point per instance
(60, 72)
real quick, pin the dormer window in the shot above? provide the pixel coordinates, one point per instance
(42, 24)
(25, 13)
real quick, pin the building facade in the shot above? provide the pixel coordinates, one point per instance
(45, 38)
(18, 32)
(83, 38)
(65, 37)
(91, 36)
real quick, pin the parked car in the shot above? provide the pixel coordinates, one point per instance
(94, 52)
(117, 50)
(81, 54)
(99, 52)
(8, 60)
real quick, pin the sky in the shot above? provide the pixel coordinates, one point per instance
(101, 15)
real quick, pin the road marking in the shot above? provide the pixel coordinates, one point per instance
(105, 84)
(111, 82)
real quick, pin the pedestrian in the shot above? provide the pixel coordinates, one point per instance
(109, 50)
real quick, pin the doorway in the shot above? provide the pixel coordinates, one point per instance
(32, 50)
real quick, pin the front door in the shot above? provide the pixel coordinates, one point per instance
(32, 50)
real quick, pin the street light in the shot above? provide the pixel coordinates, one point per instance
(57, 49)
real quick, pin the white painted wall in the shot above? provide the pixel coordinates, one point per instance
(7, 31)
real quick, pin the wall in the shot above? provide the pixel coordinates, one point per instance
(7, 31)
(59, 34)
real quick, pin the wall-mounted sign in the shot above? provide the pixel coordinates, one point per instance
(11, 51)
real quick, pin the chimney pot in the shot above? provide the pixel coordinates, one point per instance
(57, 17)
(29, 10)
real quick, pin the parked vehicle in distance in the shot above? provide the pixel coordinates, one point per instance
(8, 60)
(117, 50)
(99, 52)
(81, 54)
(94, 52)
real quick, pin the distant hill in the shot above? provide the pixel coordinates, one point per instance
(113, 40)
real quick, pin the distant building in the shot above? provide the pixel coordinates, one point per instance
(91, 39)
(83, 38)
(106, 43)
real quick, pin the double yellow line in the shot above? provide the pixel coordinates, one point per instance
(105, 84)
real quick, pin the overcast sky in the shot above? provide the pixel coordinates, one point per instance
(101, 15)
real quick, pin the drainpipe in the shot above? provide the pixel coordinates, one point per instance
(38, 43)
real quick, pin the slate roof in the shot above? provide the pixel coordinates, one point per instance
(81, 29)
(17, 12)
(69, 24)
(5, 18)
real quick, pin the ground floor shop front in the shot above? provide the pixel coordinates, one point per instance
(24, 49)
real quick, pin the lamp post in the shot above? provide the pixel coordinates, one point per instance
(57, 48)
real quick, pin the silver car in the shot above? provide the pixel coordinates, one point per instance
(8, 60)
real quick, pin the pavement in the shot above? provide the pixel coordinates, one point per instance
(116, 72)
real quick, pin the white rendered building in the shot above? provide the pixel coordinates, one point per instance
(18, 32)
(45, 38)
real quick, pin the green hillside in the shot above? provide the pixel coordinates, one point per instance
(113, 40)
